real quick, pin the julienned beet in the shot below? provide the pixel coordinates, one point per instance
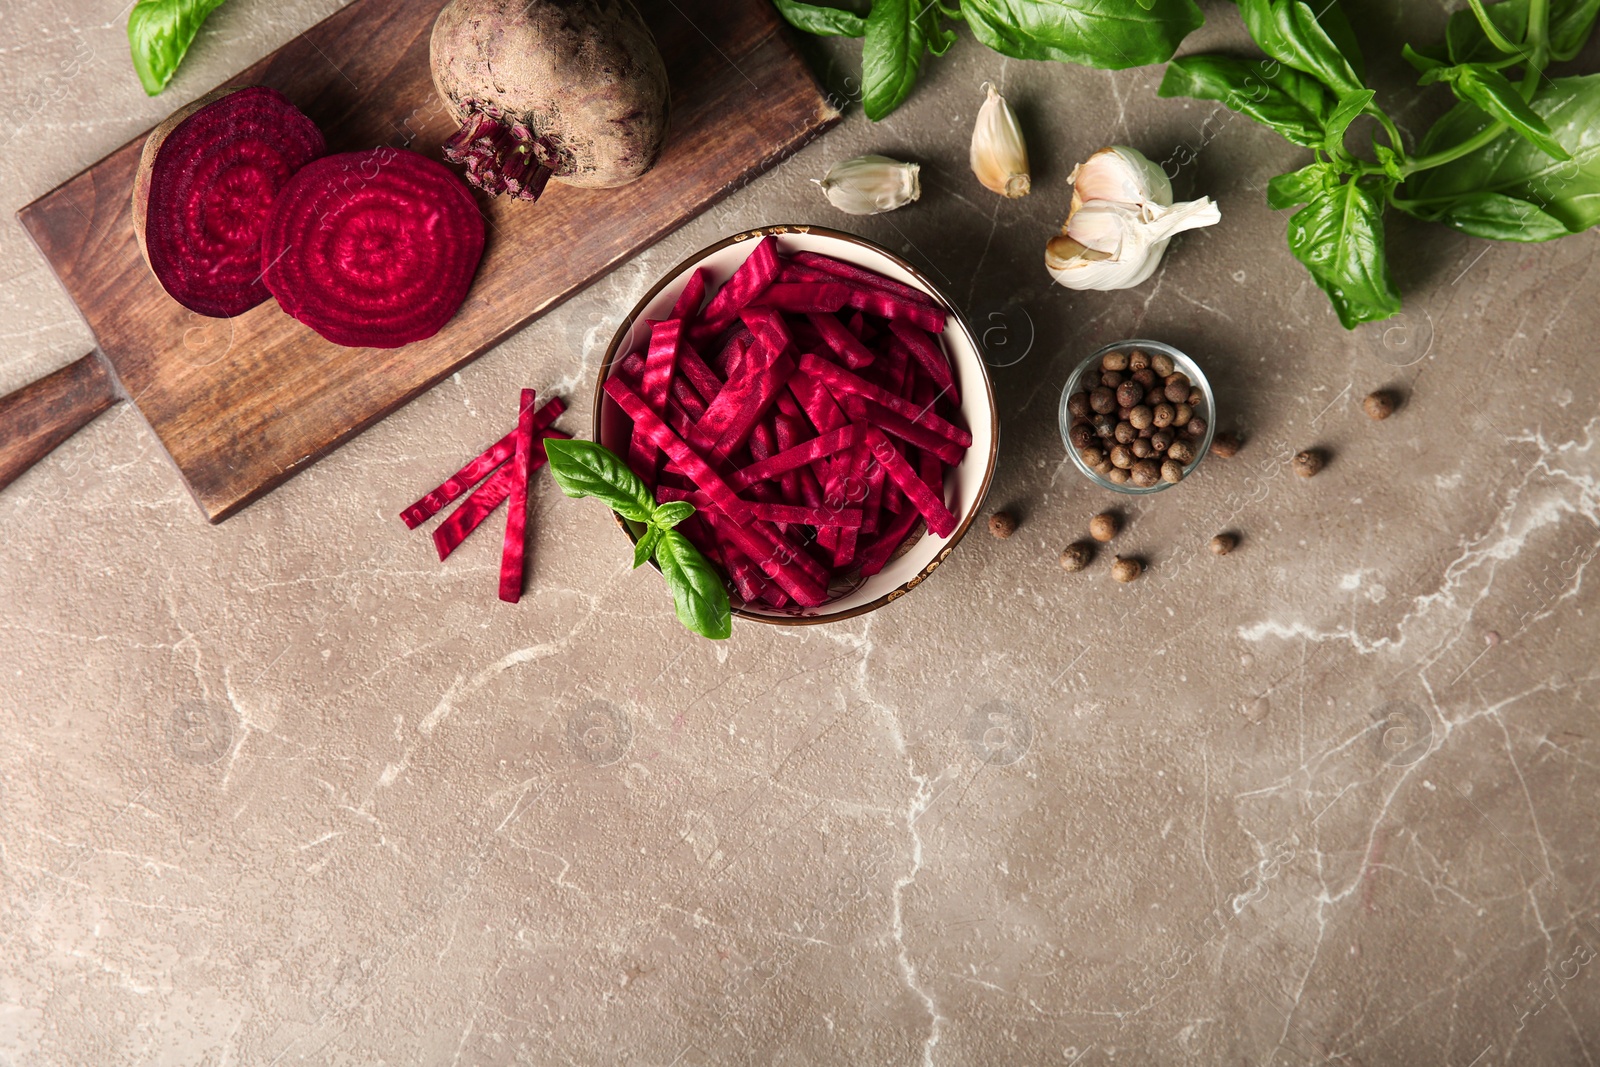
(207, 181)
(374, 248)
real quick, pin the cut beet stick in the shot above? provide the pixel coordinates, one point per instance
(938, 517)
(863, 275)
(759, 270)
(929, 357)
(754, 406)
(687, 459)
(844, 344)
(694, 292)
(478, 469)
(837, 379)
(514, 549)
(801, 455)
(784, 514)
(803, 297)
(491, 494)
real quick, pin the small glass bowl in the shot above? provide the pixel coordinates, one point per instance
(1180, 361)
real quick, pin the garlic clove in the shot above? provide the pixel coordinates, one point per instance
(869, 185)
(999, 156)
(1120, 174)
(1062, 253)
(1104, 226)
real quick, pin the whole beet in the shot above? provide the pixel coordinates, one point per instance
(569, 89)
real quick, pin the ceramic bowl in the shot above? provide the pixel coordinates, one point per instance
(966, 485)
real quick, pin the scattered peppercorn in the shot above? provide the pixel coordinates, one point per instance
(1002, 524)
(1225, 445)
(1223, 543)
(1126, 570)
(1380, 405)
(1306, 464)
(1076, 556)
(1103, 527)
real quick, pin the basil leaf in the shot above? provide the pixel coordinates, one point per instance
(671, 513)
(1466, 41)
(1389, 160)
(890, 56)
(1490, 90)
(822, 21)
(583, 468)
(645, 547)
(1424, 59)
(1571, 22)
(698, 595)
(1294, 104)
(1568, 191)
(1350, 105)
(1301, 186)
(1339, 238)
(1499, 218)
(1289, 31)
(159, 33)
(1109, 34)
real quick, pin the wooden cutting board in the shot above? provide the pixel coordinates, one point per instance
(243, 404)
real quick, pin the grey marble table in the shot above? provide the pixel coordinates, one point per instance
(289, 790)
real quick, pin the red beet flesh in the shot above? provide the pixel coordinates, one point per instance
(373, 249)
(212, 188)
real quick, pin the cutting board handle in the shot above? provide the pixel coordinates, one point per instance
(38, 417)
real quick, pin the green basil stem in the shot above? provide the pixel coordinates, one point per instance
(1490, 30)
(1447, 155)
(1538, 30)
(1388, 128)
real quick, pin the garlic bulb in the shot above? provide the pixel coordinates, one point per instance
(999, 156)
(869, 185)
(1122, 217)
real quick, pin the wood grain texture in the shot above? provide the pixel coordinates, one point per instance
(243, 404)
(38, 417)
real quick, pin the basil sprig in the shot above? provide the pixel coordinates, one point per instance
(583, 468)
(159, 33)
(1110, 34)
(1518, 159)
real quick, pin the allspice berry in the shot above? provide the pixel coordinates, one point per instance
(1081, 435)
(1162, 414)
(1145, 473)
(1141, 417)
(1177, 388)
(1182, 451)
(1223, 543)
(1225, 445)
(1380, 405)
(1306, 464)
(1078, 405)
(1129, 394)
(1102, 400)
(1114, 361)
(1115, 475)
(1126, 570)
(1161, 363)
(1171, 471)
(1121, 457)
(1002, 524)
(1076, 556)
(1103, 527)
(1138, 361)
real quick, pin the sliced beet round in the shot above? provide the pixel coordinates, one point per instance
(373, 249)
(204, 190)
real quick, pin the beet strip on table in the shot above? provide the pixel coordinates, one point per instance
(449, 534)
(514, 548)
(478, 469)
